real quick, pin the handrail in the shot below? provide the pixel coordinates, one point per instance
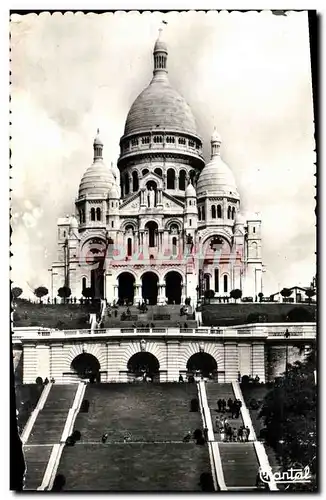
(57, 449)
(33, 416)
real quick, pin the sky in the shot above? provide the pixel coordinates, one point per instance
(248, 74)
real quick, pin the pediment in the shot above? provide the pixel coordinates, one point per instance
(171, 203)
(131, 205)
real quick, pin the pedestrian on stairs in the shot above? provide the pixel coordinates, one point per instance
(219, 404)
(240, 433)
(187, 437)
(223, 405)
(104, 438)
(247, 432)
(230, 403)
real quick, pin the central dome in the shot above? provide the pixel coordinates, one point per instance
(160, 106)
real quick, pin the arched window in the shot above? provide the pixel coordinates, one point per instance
(229, 212)
(92, 214)
(233, 213)
(225, 283)
(171, 179)
(174, 246)
(84, 284)
(145, 171)
(127, 186)
(158, 171)
(135, 183)
(203, 216)
(213, 212)
(254, 250)
(199, 213)
(64, 234)
(98, 213)
(182, 180)
(207, 281)
(84, 216)
(216, 280)
(129, 247)
(219, 212)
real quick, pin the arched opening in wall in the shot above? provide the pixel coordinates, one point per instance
(225, 283)
(129, 247)
(98, 213)
(213, 212)
(170, 179)
(216, 280)
(97, 279)
(173, 287)
(254, 250)
(150, 288)
(84, 283)
(182, 180)
(229, 212)
(199, 213)
(158, 171)
(207, 282)
(86, 366)
(144, 171)
(142, 365)
(135, 183)
(152, 232)
(92, 214)
(233, 213)
(203, 364)
(174, 246)
(126, 184)
(192, 176)
(203, 215)
(126, 289)
(219, 212)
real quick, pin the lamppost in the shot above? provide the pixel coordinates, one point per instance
(286, 335)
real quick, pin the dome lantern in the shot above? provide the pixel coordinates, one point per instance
(215, 144)
(160, 55)
(98, 147)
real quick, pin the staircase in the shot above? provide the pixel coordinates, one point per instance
(51, 419)
(144, 451)
(46, 431)
(240, 465)
(173, 311)
(217, 391)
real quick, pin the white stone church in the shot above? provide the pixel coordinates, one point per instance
(163, 224)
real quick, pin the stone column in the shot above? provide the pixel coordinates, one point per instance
(116, 292)
(173, 365)
(231, 361)
(161, 294)
(138, 293)
(183, 293)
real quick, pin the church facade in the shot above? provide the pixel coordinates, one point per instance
(162, 225)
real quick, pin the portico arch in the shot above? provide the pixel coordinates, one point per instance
(150, 287)
(126, 290)
(86, 366)
(144, 364)
(173, 287)
(203, 363)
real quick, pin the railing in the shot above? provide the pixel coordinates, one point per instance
(271, 331)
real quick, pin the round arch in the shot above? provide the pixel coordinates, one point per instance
(143, 364)
(152, 228)
(173, 287)
(126, 290)
(86, 366)
(203, 363)
(150, 287)
(171, 222)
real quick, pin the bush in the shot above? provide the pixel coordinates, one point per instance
(76, 435)
(60, 325)
(194, 405)
(39, 381)
(245, 380)
(299, 314)
(253, 404)
(198, 434)
(252, 318)
(209, 294)
(16, 316)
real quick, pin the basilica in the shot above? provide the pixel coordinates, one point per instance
(163, 225)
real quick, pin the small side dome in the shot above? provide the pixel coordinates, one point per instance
(216, 136)
(73, 223)
(190, 191)
(160, 45)
(114, 194)
(240, 219)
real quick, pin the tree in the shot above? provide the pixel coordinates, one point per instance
(16, 292)
(64, 292)
(260, 295)
(40, 292)
(300, 314)
(87, 292)
(286, 293)
(289, 414)
(209, 294)
(310, 292)
(236, 294)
